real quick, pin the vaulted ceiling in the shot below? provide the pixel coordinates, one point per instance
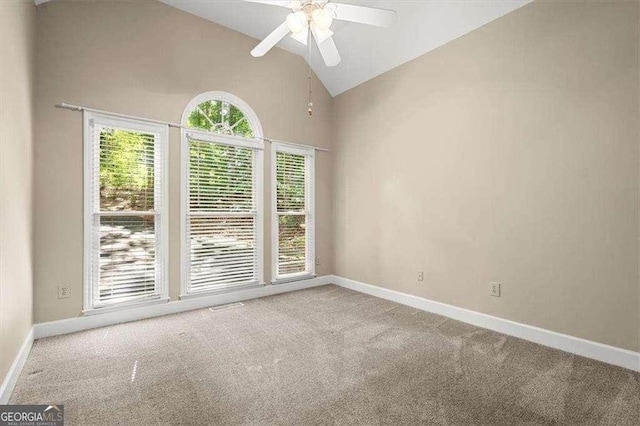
(423, 25)
(366, 52)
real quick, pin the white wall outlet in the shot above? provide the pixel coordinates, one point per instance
(63, 291)
(420, 275)
(317, 261)
(494, 289)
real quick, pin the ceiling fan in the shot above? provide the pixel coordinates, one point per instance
(317, 16)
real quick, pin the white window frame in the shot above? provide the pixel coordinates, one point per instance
(310, 271)
(161, 132)
(257, 145)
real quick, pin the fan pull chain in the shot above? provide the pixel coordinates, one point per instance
(310, 103)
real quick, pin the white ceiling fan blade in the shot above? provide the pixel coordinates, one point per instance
(302, 36)
(364, 15)
(329, 53)
(271, 40)
(281, 3)
(328, 50)
(320, 35)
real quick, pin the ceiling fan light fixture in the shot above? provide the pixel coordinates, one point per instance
(322, 18)
(297, 22)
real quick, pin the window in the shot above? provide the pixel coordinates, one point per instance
(125, 212)
(222, 193)
(293, 212)
(221, 117)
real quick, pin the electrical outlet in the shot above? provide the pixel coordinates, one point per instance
(317, 261)
(420, 275)
(63, 291)
(494, 289)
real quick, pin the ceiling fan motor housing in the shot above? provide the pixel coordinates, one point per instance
(309, 13)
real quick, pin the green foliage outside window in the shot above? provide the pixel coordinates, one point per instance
(126, 170)
(220, 177)
(220, 117)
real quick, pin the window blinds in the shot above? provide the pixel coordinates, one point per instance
(294, 213)
(222, 219)
(126, 201)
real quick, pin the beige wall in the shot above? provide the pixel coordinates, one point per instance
(510, 155)
(149, 60)
(17, 47)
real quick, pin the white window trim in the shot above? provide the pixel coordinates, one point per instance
(257, 145)
(90, 119)
(311, 221)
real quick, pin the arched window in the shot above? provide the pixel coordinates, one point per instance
(222, 208)
(222, 113)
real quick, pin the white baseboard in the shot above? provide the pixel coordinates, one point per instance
(586, 348)
(575, 345)
(16, 368)
(71, 325)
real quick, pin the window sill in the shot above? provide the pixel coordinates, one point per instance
(125, 306)
(291, 278)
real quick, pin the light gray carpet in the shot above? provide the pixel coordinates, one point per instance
(320, 356)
